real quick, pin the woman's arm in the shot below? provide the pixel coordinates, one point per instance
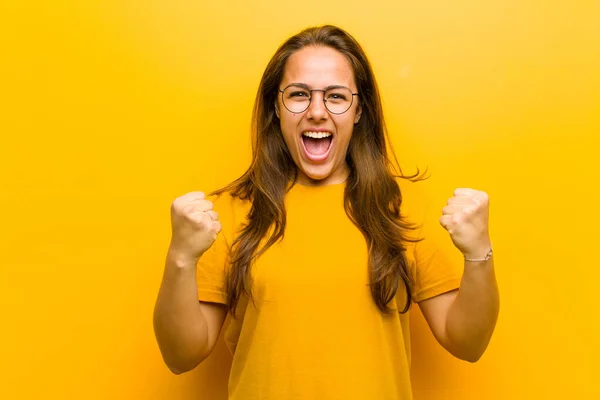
(186, 329)
(463, 321)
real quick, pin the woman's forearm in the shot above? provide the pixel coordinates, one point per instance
(179, 324)
(473, 315)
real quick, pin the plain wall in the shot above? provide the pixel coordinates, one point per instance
(111, 109)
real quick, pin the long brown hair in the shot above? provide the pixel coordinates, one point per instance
(372, 197)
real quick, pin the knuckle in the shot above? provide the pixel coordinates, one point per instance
(176, 203)
(178, 209)
(203, 224)
(188, 210)
(485, 198)
(193, 217)
(194, 195)
(217, 226)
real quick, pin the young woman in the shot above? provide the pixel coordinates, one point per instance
(314, 252)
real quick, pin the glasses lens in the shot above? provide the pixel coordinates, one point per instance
(338, 100)
(296, 98)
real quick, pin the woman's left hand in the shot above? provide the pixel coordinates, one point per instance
(466, 219)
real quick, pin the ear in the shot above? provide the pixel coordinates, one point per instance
(358, 114)
(277, 109)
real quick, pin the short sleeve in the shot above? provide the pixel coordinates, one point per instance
(213, 266)
(435, 263)
(437, 271)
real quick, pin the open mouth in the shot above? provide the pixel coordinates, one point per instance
(317, 145)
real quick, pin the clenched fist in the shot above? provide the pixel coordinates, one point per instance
(466, 219)
(194, 225)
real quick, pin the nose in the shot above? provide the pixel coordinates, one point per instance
(317, 110)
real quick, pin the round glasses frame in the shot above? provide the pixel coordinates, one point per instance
(324, 99)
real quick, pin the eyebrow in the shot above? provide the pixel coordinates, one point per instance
(304, 85)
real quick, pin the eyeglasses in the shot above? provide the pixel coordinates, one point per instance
(296, 98)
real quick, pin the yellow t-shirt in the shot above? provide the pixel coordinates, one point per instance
(315, 331)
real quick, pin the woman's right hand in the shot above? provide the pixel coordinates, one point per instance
(194, 226)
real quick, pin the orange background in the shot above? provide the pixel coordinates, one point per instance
(112, 109)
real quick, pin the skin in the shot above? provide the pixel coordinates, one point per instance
(318, 67)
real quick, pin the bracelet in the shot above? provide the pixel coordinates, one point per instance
(487, 257)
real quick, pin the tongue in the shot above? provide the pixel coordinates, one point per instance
(316, 146)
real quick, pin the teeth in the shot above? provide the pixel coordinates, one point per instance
(317, 135)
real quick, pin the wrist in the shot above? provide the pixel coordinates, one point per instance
(483, 253)
(181, 259)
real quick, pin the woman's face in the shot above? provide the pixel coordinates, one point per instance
(316, 138)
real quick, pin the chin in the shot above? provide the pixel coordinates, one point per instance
(317, 175)
(317, 172)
